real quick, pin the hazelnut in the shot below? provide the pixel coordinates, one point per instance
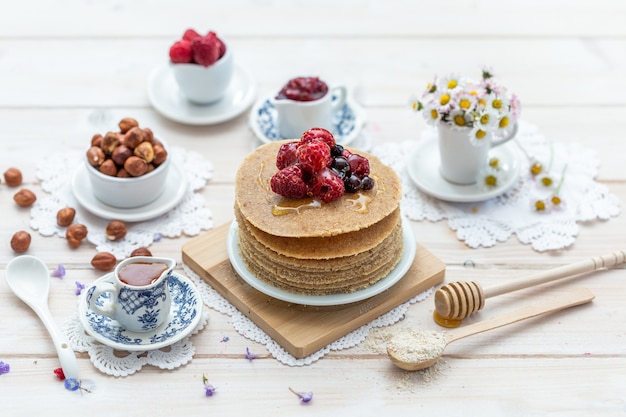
(103, 261)
(141, 252)
(95, 156)
(133, 137)
(148, 136)
(13, 177)
(24, 198)
(135, 166)
(75, 233)
(127, 123)
(145, 151)
(159, 154)
(20, 241)
(120, 154)
(65, 216)
(108, 167)
(122, 173)
(96, 140)
(110, 141)
(115, 230)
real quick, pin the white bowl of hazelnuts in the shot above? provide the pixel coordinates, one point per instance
(127, 168)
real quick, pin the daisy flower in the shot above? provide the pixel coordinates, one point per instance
(452, 83)
(479, 135)
(431, 113)
(460, 118)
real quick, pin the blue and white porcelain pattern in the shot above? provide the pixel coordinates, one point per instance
(184, 316)
(346, 124)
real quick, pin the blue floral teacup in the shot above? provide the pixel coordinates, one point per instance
(136, 294)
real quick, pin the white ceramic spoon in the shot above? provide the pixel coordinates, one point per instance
(29, 279)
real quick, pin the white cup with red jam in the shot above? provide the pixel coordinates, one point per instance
(203, 66)
(305, 102)
(136, 295)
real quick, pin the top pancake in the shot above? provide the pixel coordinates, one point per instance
(255, 199)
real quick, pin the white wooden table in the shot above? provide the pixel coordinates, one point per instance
(66, 63)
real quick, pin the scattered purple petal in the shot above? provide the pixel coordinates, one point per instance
(157, 237)
(4, 367)
(59, 272)
(250, 356)
(305, 397)
(224, 339)
(79, 288)
(209, 389)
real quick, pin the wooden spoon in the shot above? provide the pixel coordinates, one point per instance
(405, 353)
(458, 300)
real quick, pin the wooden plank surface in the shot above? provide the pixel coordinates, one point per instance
(70, 67)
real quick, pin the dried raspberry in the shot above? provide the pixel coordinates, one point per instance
(359, 165)
(205, 50)
(180, 52)
(327, 186)
(221, 44)
(190, 35)
(314, 156)
(288, 182)
(59, 373)
(286, 155)
(320, 134)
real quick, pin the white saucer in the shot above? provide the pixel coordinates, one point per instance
(167, 99)
(423, 168)
(184, 317)
(346, 125)
(403, 266)
(175, 189)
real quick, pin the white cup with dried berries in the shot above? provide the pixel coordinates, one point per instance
(127, 168)
(202, 65)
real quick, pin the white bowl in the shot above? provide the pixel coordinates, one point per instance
(129, 192)
(205, 85)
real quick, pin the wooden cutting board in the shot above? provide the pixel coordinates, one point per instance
(302, 330)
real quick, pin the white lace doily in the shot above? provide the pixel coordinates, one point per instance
(486, 223)
(105, 359)
(189, 216)
(248, 329)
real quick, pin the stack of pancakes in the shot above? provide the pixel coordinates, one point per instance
(308, 247)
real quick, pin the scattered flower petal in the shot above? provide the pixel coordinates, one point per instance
(72, 384)
(250, 356)
(157, 237)
(79, 288)
(209, 389)
(224, 339)
(59, 272)
(305, 397)
(59, 373)
(4, 367)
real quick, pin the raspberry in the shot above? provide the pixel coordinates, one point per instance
(345, 153)
(327, 186)
(190, 35)
(205, 49)
(180, 52)
(318, 133)
(313, 156)
(221, 45)
(359, 165)
(288, 182)
(286, 155)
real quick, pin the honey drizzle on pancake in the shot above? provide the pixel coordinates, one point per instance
(291, 206)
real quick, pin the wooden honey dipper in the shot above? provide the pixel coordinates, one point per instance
(458, 300)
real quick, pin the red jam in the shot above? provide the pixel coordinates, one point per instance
(303, 89)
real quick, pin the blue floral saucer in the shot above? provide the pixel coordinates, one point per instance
(184, 317)
(346, 125)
